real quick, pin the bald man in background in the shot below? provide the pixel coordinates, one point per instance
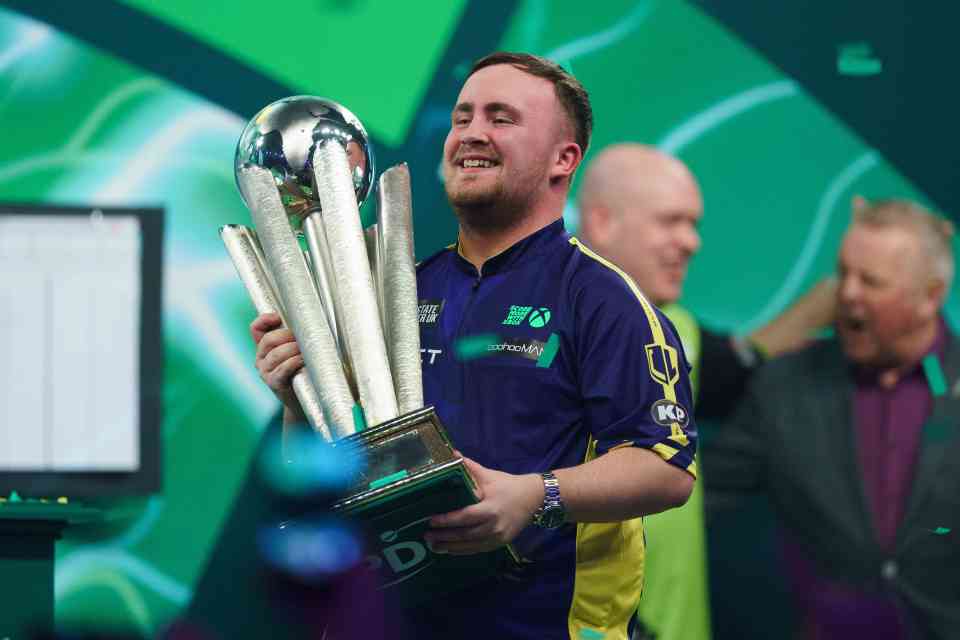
(641, 209)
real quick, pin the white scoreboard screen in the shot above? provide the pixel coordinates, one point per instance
(77, 310)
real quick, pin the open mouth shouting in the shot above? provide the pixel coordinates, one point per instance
(852, 324)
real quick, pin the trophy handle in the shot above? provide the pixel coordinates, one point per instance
(298, 297)
(399, 287)
(247, 256)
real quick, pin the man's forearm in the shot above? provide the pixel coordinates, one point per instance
(624, 483)
(619, 485)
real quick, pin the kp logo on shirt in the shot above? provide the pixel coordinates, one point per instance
(667, 412)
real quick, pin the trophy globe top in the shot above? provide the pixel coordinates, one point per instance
(283, 137)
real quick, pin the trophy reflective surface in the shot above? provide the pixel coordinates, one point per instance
(304, 166)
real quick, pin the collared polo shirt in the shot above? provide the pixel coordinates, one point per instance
(546, 358)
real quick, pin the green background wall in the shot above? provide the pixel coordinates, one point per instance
(140, 103)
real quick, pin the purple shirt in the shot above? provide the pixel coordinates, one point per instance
(888, 424)
(887, 429)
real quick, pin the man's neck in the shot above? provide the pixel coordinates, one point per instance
(913, 348)
(479, 245)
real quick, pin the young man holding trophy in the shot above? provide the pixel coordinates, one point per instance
(574, 418)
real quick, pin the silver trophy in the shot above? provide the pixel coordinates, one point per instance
(304, 167)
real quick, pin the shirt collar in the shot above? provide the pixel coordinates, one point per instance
(870, 375)
(517, 254)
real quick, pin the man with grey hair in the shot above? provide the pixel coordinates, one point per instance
(855, 440)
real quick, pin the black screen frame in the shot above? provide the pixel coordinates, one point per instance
(148, 478)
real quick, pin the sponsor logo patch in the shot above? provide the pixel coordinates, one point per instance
(530, 349)
(429, 356)
(536, 318)
(539, 317)
(667, 412)
(516, 315)
(663, 363)
(428, 311)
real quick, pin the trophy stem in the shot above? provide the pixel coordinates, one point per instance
(354, 283)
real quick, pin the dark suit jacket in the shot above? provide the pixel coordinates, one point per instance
(794, 438)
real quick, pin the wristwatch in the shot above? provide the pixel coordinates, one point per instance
(551, 514)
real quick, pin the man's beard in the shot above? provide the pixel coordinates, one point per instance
(490, 210)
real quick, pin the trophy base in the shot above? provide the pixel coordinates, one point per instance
(413, 474)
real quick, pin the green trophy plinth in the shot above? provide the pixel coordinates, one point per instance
(413, 473)
(28, 531)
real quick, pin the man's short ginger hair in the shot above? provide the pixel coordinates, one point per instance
(570, 93)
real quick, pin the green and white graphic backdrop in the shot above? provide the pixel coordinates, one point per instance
(84, 126)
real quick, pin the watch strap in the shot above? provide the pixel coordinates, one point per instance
(550, 513)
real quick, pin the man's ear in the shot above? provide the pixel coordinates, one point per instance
(936, 294)
(568, 158)
(859, 204)
(597, 226)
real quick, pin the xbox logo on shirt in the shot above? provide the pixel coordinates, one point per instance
(539, 317)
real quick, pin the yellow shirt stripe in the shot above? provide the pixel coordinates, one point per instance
(659, 339)
(610, 559)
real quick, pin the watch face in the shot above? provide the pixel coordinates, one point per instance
(551, 518)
